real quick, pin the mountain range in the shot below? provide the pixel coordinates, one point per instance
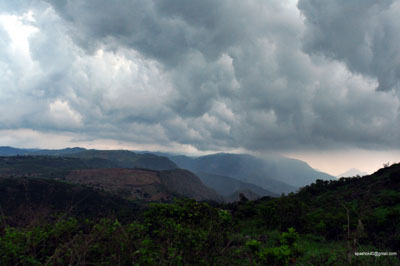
(274, 174)
(224, 173)
(51, 202)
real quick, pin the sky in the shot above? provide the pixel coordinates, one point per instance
(309, 79)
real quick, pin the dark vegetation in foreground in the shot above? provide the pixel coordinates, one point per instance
(48, 222)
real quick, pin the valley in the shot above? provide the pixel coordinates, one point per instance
(129, 208)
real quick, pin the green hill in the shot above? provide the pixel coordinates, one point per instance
(25, 200)
(95, 169)
(361, 210)
(44, 221)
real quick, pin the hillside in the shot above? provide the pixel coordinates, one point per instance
(145, 185)
(325, 223)
(101, 173)
(47, 166)
(373, 202)
(27, 200)
(184, 182)
(226, 186)
(294, 172)
(370, 205)
(275, 174)
(225, 173)
(239, 167)
(128, 159)
(128, 183)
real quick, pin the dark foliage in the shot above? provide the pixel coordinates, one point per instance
(323, 224)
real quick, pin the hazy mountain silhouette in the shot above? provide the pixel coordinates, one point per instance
(352, 172)
(226, 185)
(274, 173)
(10, 151)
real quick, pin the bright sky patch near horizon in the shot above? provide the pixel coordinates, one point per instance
(308, 79)
(338, 162)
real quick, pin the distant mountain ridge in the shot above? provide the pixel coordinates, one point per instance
(128, 159)
(225, 173)
(352, 172)
(226, 186)
(274, 173)
(10, 151)
(119, 158)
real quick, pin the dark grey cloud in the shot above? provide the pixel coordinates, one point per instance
(163, 30)
(363, 34)
(215, 75)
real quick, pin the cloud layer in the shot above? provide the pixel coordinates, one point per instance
(211, 75)
(363, 34)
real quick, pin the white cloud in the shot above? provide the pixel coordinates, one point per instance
(62, 116)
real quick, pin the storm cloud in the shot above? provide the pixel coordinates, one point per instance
(213, 75)
(362, 34)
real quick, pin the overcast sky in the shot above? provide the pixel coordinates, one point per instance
(312, 79)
